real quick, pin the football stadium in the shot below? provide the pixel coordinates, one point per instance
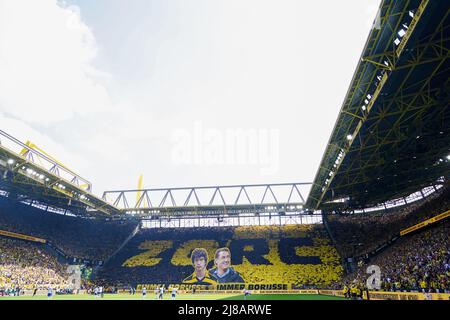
(372, 225)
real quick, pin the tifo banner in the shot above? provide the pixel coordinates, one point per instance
(227, 287)
(21, 236)
(425, 223)
(264, 258)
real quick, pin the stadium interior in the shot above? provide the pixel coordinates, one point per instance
(381, 195)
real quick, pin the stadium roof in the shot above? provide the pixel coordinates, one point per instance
(211, 200)
(392, 135)
(33, 176)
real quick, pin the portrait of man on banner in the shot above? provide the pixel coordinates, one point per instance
(200, 276)
(223, 272)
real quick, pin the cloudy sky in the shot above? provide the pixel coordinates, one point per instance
(187, 93)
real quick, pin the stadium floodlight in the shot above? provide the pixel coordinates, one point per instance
(366, 101)
(411, 14)
(386, 63)
(363, 108)
(10, 161)
(405, 26)
(401, 33)
(369, 96)
(47, 179)
(41, 176)
(448, 157)
(379, 78)
(397, 41)
(349, 137)
(29, 171)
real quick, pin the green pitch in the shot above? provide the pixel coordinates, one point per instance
(181, 297)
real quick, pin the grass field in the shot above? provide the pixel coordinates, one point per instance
(182, 297)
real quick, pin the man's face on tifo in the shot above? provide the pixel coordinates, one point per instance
(223, 260)
(199, 264)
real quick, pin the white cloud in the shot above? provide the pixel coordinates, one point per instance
(46, 55)
(231, 65)
(47, 77)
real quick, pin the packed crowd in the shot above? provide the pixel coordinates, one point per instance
(415, 262)
(27, 266)
(359, 234)
(77, 237)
